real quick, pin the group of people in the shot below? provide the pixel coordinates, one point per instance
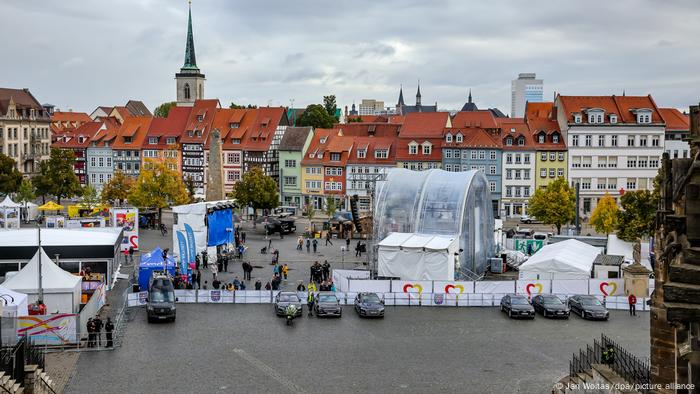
(94, 329)
(319, 273)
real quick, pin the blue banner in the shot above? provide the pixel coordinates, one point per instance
(220, 227)
(183, 251)
(191, 243)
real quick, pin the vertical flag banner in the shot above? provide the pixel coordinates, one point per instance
(183, 251)
(191, 243)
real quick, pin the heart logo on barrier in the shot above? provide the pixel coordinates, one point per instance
(529, 287)
(455, 287)
(611, 285)
(409, 286)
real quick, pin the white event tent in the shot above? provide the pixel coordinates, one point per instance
(61, 289)
(14, 304)
(570, 259)
(412, 256)
(9, 213)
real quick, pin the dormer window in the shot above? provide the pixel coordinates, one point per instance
(595, 116)
(323, 140)
(152, 140)
(234, 125)
(320, 155)
(236, 141)
(644, 116)
(335, 156)
(460, 137)
(127, 140)
(555, 138)
(613, 118)
(541, 138)
(521, 141)
(381, 153)
(198, 133)
(81, 139)
(200, 118)
(448, 137)
(170, 140)
(577, 118)
(361, 153)
(412, 148)
(427, 148)
(509, 141)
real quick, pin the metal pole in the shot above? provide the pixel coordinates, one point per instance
(578, 199)
(41, 288)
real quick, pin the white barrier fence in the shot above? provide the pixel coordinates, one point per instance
(347, 298)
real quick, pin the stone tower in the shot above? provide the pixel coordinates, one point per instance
(215, 169)
(189, 81)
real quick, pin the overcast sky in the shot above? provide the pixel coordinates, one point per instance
(80, 54)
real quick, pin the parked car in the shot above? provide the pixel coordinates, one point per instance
(369, 305)
(327, 304)
(528, 219)
(516, 305)
(284, 299)
(160, 303)
(588, 307)
(550, 306)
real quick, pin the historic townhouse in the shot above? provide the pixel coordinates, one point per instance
(335, 163)
(233, 125)
(518, 174)
(197, 129)
(126, 151)
(677, 132)
(261, 142)
(420, 138)
(78, 141)
(295, 142)
(615, 144)
(551, 160)
(368, 163)
(100, 163)
(24, 129)
(312, 174)
(162, 142)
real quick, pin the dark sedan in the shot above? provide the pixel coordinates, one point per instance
(550, 306)
(284, 299)
(588, 307)
(516, 305)
(327, 304)
(369, 305)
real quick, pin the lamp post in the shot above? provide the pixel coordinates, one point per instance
(40, 299)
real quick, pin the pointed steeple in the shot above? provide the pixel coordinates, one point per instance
(470, 95)
(400, 103)
(190, 58)
(418, 95)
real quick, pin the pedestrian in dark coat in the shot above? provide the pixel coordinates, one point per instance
(315, 244)
(328, 238)
(308, 245)
(243, 236)
(98, 330)
(326, 269)
(109, 328)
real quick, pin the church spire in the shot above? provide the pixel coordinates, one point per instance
(190, 58)
(418, 96)
(470, 95)
(400, 103)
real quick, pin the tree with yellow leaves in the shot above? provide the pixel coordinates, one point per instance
(158, 187)
(605, 215)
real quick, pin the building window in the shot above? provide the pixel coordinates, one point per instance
(290, 181)
(335, 156)
(492, 155)
(586, 184)
(187, 91)
(492, 186)
(509, 191)
(526, 175)
(521, 141)
(509, 174)
(552, 156)
(427, 149)
(601, 140)
(518, 158)
(448, 167)
(526, 191)
(543, 156)
(589, 140)
(655, 141)
(361, 153)
(518, 174)
(613, 118)
(543, 173)
(630, 140)
(381, 153)
(555, 138)
(586, 205)
(474, 154)
(642, 162)
(540, 138)
(482, 155)
(631, 162)
(492, 170)
(290, 163)
(413, 149)
(170, 140)
(574, 140)
(93, 179)
(465, 153)
(448, 137)
(631, 183)
(560, 172)
(577, 118)
(560, 156)
(109, 162)
(526, 158)
(92, 162)
(459, 138)
(509, 141)
(152, 140)
(552, 173)
(654, 163)
(448, 153)
(643, 140)
(101, 161)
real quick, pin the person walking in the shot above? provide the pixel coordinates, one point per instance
(269, 244)
(245, 266)
(328, 238)
(131, 254)
(326, 270)
(285, 271)
(225, 258)
(632, 300)
(300, 243)
(308, 245)
(347, 243)
(315, 244)
(243, 236)
(205, 259)
(109, 328)
(358, 249)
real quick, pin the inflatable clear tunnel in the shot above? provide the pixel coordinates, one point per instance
(439, 202)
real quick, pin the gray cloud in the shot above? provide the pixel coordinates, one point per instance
(85, 53)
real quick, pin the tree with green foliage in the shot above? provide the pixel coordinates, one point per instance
(555, 204)
(604, 216)
(24, 195)
(330, 206)
(257, 190)
(636, 219)
(117, 189)
(42, 182)
(190, 186)
(61, 174)
(90, 197)
(163, 110)
(10, 177)
(158, 187)
(309, 211)
(236, 106)
(330, 105)
(317, 117)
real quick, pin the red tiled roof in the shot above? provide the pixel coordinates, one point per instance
(675, 120)
(262, 131)
(483, 119)
(367, 129)
(403, 155)
(135, 127)
(473, 137)
(207, 109)
(541, 110)
(622, 106)
(338, 144)
(81, 137)
(80, 117)
(369, 118)
(397, 119)
(539, 119)
(172, 126)
(370, 144)
(424, 124)
(316, 146)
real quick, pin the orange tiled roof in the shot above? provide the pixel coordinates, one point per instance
(675, 120)
(316, 146)
(473, 137)
(370, 144)
(483, 119)
(207, 110)
(622, 106)
(261, 132)
(402, 152)
(541, 110)
(134, 127)
(424, 124)
(367, 129)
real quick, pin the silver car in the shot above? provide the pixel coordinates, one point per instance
(327, 304)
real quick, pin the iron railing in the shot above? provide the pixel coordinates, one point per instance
(14, 359)
(632, 369)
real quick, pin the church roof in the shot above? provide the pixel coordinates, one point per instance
(190, 58)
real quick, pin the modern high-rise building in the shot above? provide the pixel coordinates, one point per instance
(527, 88)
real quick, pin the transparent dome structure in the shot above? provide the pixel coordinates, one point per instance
(439, 202)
